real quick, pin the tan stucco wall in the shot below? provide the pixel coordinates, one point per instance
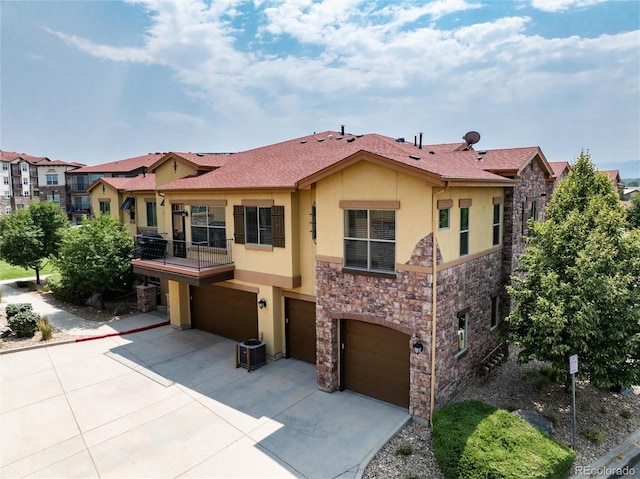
(365, 181)
(480, 221)
(166, 174)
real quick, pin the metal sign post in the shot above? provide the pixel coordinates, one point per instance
(573, 369)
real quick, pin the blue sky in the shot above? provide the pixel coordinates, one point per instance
(98, 81)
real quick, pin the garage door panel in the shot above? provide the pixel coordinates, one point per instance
(301, 330)
(227, 312)
(376, 362)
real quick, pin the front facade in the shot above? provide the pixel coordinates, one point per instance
(323, 247)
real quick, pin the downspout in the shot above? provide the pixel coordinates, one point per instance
(434, 299)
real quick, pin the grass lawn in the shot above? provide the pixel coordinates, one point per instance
(13, 272)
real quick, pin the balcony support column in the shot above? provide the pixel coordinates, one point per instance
(147, 298)
(179, 310)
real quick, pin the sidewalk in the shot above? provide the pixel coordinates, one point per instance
(75, 325)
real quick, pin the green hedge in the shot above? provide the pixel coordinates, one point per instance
(475, 440)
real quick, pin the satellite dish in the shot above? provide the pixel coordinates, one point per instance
(472, 137)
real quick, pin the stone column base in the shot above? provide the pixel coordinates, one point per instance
(147, 300)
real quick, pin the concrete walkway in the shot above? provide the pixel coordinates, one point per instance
(169, 403)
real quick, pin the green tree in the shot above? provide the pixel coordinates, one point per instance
(95, 257)
(30, 236)
(581, 291)
(633, 213)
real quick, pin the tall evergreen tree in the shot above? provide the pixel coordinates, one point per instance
(581, 292)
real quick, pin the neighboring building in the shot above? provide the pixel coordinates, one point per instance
(614, 176)
(26, 178)
(323, 246)
(80, 180)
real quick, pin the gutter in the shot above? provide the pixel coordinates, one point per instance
(434, 299)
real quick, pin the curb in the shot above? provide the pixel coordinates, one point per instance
(83, 339)
(613, 461)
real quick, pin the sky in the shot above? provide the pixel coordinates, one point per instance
(99, 81)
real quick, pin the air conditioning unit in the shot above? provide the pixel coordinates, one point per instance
(251, 354)
(461, 342)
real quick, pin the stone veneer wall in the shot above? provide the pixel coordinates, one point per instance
(405, 304)
(531, 183)
(467, 285)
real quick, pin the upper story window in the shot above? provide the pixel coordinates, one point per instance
(464, 231)
(444, 214)
(496, 224)
(96, 176)
(25, 181)
(529, 212)
(105, 207)
(6, 180)
(208, 225)
(152, 214)
(52, 180)
(370, 239)
(259, 224)
(79, 182)
(5, 166)
(25, 167)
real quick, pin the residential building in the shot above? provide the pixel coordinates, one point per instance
(26, 178)
(323, 246)
(81, 179)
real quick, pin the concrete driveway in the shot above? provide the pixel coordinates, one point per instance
(168, 403)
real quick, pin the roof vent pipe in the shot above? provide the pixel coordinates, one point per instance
(420, 145)
(342, 130)
(415, 140)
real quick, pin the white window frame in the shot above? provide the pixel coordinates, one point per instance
(462, 333)
(495, 312)
(369, 241)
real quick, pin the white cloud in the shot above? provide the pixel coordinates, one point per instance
(562, 5)
(384, 57)
(175, 117)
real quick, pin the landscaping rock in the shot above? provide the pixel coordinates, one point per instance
(5, 331)
(121, 308)
(538, 421)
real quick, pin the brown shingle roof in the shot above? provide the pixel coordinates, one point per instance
(122, 166)
(136, 183)
(291, 163)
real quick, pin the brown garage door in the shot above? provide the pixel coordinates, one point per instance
(227, 312)
(375, 361)
(300, 329)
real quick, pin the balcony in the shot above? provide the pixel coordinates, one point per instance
(183, 261)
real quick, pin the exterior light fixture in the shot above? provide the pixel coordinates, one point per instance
(417, 346)
(262, 303)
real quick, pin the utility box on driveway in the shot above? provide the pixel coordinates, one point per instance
(251, 354)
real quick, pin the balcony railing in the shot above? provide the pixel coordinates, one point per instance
(156, 248)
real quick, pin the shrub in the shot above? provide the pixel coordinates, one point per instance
(45, 327)
(405, 449)
(592, 434)
(625, 413)
(15, 308)
(67, 292)
(30, 285)
(24, 323)
(476, 440)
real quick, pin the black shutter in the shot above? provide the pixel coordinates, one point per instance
(238, 224)
(277, 224)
